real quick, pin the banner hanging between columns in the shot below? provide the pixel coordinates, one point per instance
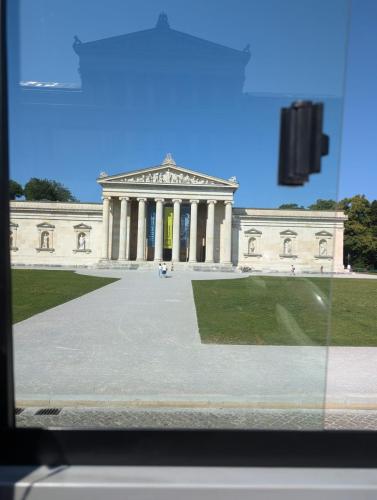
(151, 224)
(185, 225)
(168, 228)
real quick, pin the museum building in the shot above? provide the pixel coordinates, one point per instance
(171, 213)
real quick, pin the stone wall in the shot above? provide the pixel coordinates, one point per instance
(48, 234)
(274, 240)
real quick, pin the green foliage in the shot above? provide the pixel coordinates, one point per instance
(323, 205)
(15, 190)
(291, 206)
(360, 234)
(360, 230)
(45, 189)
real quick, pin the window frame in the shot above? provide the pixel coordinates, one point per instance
(34, 446)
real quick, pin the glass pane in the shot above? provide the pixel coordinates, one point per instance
(162, 277)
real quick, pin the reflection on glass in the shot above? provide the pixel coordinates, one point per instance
(213, 315)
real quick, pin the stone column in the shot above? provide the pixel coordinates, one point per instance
(159, 231)
(193, 230)
(210, 230)
(128, 230)
(123, 227)
(176, 230)
(140, 253)
(227, 243)
(105, 226)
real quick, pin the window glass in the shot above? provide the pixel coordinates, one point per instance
(162, 277)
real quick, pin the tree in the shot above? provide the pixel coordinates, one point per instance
(360, 239)
(291, 206)
(323, 205)
(373, 217)
(45, 189)
(15, 190)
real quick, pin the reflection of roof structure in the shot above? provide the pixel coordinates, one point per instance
(148, 69)
(161, 39)
(160, 62)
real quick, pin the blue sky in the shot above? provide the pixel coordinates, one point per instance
(358, 171)
(297, 50)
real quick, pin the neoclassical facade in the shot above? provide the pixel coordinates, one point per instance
(171, 213)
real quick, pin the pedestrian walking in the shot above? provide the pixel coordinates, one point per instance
(293, 270)
(159, 269)
(164, 268)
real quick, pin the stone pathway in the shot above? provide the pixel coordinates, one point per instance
(136, 343)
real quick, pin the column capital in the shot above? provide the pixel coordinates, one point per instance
(124, 198)
(194, 201)
(106, 198)
(141, 199)
(211, 201)
(159, 199)
(228, 202)
(176, 200)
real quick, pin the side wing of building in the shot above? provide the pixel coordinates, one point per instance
(276, 240)
(55, 234)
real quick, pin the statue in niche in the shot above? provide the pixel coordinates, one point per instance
(323, 248)
(11, 239)
(288, 246)
(252, 245)
(82, 241)
(45, 240)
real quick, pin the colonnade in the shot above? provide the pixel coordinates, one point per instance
(125, 224)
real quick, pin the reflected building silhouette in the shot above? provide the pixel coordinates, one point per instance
(160, 68)
(141, 93)
(145, 93)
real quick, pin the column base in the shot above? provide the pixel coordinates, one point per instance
(209, 261)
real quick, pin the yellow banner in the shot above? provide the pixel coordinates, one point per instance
(168, 227)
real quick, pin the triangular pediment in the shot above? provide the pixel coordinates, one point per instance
(288, 232)
(323, 233)
(82, 226)
(253, 231)
(161, 40)
(45, 225)
(166, 173)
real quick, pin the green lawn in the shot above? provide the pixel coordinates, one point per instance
(270, 310)
(34, 291)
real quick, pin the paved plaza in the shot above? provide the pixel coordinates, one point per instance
(135, 344)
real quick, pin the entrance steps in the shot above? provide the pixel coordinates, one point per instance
(177, 266)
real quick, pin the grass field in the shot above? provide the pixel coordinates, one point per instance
(270, 310)
(34, 291)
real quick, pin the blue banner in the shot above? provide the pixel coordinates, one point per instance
(151, 224)
(185, 225)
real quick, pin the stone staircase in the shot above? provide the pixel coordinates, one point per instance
(177, 266)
